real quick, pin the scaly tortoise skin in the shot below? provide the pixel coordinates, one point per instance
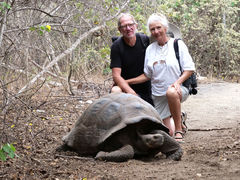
(118, 127)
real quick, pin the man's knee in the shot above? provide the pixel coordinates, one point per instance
(116, 89)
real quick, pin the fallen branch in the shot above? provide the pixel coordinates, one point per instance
(210, 129)
(4, 175)
(75, 157)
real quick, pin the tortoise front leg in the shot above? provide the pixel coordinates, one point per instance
(120, 155)
(170, 147)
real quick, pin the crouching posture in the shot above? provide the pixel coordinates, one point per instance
(164, 71)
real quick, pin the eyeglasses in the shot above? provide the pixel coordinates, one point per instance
(127, 25)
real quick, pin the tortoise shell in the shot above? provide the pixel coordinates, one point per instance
(106, 116)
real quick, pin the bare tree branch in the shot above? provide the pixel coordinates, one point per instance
(16, 69)
(56, 46)
(52, 74)
(35, 9)
(62, 55)
(3, 27)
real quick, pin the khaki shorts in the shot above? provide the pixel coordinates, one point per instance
(161, 103)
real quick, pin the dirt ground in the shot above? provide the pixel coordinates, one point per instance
(211, 148)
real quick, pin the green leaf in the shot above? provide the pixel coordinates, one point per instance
(4, 5)
(2, 155)
(41, 32)
(7, 148)
(32, 28)
(11, 155)
(13, 148)
(232, 4)
(42, 27)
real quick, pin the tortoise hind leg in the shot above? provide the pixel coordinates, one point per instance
(123, 154)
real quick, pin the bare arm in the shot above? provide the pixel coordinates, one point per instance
(140, 79)
(122, 83)
(185, 75)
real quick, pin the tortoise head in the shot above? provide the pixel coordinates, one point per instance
(152, 141)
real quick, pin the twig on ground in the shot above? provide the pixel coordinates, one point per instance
(74, 157)
(210, 129)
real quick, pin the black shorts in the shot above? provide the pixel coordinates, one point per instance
(147, 98)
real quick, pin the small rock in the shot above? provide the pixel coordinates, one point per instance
(40, 111)
(89, 101)
(199, 175)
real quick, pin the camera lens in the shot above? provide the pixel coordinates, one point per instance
(194, 91)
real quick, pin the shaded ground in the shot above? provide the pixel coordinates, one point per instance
(211, 148)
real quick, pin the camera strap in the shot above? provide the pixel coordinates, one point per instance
(192, 79)
(187, 82)
(176, 49)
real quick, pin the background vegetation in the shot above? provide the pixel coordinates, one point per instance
(66, 43)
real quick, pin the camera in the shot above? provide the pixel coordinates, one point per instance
(193, 84)
(192, 90)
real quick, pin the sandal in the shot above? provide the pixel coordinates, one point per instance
(184, 126)
(179, 139)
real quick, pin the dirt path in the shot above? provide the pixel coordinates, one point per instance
(211, 148)
(217, 105)
(213, 154)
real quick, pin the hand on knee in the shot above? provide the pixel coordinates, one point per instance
(172, 93)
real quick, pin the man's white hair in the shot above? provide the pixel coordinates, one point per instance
(125, 14)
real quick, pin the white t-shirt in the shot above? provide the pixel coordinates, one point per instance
(161, 65)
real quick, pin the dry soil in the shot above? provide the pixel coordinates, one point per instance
(211, 148)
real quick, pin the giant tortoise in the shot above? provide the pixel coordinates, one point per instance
(118, 127)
